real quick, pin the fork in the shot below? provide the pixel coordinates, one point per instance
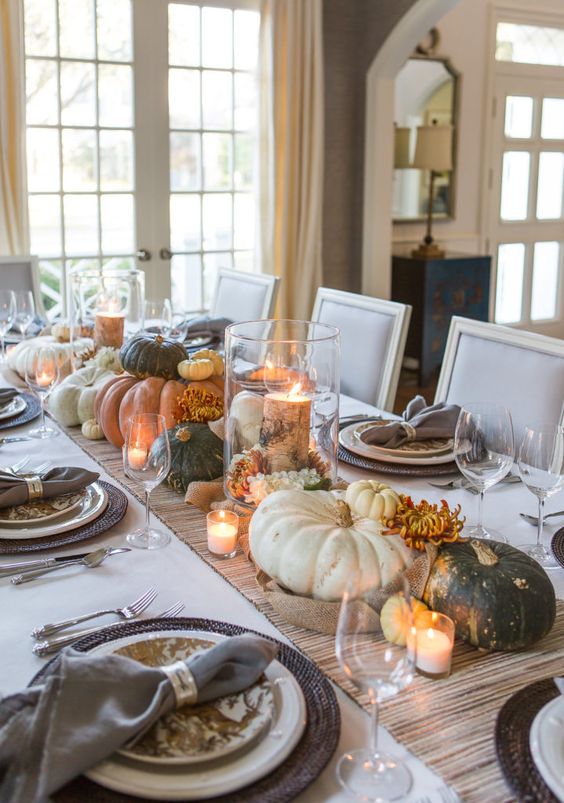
(47, 647)
(13, 469)
(127, 612)
(534, 520)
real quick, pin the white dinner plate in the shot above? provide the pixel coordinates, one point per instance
(223, 776)
(92, 506)
(16, 406)
(546, 740)
(350, 441)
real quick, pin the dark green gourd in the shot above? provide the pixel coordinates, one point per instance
(152, 355)
(196, 454)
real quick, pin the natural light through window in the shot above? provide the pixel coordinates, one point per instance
(529, 44)
(509, 291)
(545, 281)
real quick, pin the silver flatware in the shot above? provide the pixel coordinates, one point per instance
(17, 466)
(352, 419)
(91, 561)
(466, 485)
(45, 563)
(14, 439)
(534, 520)
(127, 612)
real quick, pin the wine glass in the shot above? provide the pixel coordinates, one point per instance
(25, 310)
(484, 452)
(179, 326)
(7, 315)
(158, 316)
(541, 466)
(381, 670)
(146, 458)
(41, 375)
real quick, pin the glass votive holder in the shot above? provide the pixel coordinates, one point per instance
(223, 529)
(435, 642)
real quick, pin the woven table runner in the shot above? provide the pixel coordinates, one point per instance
(448, 724)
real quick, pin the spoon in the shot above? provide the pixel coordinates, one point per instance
(534, 520)
(91, 561)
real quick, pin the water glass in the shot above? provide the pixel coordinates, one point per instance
(25, 310)
(541, 466)
(158, 316)
(380, 669)
(7, 316)
(484, 452)
(147, 463)
(41, 376)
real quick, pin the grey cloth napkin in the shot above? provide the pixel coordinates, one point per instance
(419, 423)
(204, 325)
(7, 396)
(86, 707)
(57, 481)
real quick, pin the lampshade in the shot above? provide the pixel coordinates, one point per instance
(401, 148)
(434, 148)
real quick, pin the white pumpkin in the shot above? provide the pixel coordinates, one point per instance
(372, 499)
(92, 430)
(72, 402)
(310, 543)
(245, 419)
(20, 354)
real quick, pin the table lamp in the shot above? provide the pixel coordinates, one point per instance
(401, 148)
(433, 152)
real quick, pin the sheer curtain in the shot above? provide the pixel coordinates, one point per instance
(14, 231)
(291, 150)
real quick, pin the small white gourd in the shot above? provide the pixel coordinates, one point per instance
(92, 430)
(195, 370)
(372, 499)
(210, 354)
(245, 419)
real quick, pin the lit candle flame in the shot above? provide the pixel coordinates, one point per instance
(295, 390)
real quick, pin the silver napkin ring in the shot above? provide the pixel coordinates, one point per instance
(410, 431)
(182, 682)
(34, 487)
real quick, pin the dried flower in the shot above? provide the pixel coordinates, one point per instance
(418, 523)
(198, 405)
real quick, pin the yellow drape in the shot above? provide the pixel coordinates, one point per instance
(291, 150)
(14, 231)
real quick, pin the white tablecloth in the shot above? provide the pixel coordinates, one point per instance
(180, 575)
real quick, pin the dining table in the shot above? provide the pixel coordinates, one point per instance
(180, 574)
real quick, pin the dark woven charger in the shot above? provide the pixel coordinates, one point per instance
(512, 731)
(557, 545)
(300, 769)
(32, 410)
(114, 513)
(401, 469)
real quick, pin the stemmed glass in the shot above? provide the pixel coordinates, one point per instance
(25, 310)
(148, 462)
(541, 466)
(7, 315)
(484, 452)
(158, 316)
(41, 375)
(381, 670)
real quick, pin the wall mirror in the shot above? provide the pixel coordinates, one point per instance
(426, 93)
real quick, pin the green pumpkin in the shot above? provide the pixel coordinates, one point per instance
(195, 454)
(152, 355)
(498, 597)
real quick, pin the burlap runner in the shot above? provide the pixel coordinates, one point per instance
(448, 724)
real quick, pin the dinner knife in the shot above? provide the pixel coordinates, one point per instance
(46, 563)
(91, 561)
(13, 439)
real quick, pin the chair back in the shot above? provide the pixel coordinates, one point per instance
(243, 296)
(22, 273)
(522, 370)
(373, 334)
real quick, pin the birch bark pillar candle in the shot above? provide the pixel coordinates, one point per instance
(109, 322)
(285, 429)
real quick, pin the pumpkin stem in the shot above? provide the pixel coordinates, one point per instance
(159, 339)
(344, 515)
(484, 553)
(183, 434)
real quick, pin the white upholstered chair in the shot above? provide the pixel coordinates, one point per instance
(522, 370)
(373, 334)
(243, 296)
(22, 273)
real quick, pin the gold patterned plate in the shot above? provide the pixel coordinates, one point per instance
(198, 733)
(434, 451)
(41, 511)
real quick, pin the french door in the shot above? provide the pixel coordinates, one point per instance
(527, 201)
(141, 135)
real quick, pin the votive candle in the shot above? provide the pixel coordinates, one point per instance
(136, 457)
(223, 529)
(435, 641)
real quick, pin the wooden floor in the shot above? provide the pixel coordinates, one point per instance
(409, 387)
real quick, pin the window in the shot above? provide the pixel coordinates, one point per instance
(529, 44)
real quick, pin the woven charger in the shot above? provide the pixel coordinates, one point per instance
(113, 514)
(512, 730)
(32, 410)
(401, 469)
(557, 545)
(300, 769)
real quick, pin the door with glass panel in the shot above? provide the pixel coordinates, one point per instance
(122, 173)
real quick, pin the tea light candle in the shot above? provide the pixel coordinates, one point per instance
(44, 378)
(435, 640)
(285, 429)
(223, 527)
(136, 457)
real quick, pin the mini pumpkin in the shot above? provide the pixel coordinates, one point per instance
(92, 430)
(396, 618)
(210, 354)
(195, 370)
(372, 499)
(195, 454)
